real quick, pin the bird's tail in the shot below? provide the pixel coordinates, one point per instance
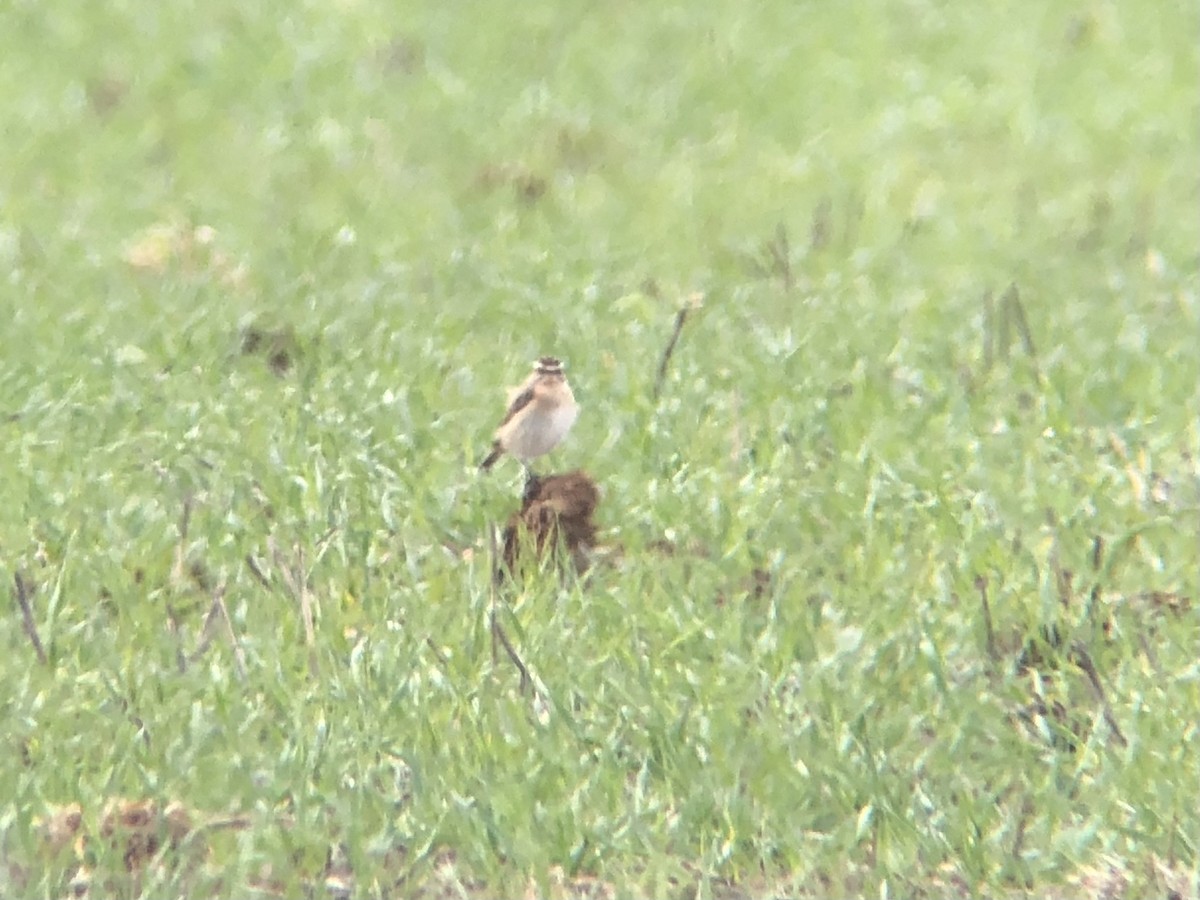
(497, 452)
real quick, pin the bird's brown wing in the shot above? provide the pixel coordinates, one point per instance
(519, 402)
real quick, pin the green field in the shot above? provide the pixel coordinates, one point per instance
(897, 586)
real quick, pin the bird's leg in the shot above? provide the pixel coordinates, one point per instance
(532, 481)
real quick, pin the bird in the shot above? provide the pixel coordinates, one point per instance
(540, 413)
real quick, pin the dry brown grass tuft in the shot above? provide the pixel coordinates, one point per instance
(555, 508)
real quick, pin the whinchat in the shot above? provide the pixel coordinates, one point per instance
(540, 413)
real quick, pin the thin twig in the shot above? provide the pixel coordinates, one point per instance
(323, 542)
(207, 633)
(239, 655)
(257, 572)
(297, 584)
(494, 559)
(514, 656)
(234, 823)
(306, 614)
(498, 635)
(981, 585)
(441, 657)
(218, 614)
(1097, 559)
(680, 317)
(1084, 661)
(27, 618)
(1013, 297)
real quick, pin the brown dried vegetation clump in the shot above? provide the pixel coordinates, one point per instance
(278, 346)
(555, 508)
(184, 249)
(138, 829)
(142, 834)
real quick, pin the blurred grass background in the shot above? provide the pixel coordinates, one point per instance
(281, 258)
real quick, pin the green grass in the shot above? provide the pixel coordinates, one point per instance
(777, 680)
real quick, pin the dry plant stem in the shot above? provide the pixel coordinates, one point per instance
(1097, 559)
(218, 615)
(27, 620)
(306, 613)
(441, 658)
(982, 586)
(297, 583)
(498, 635)
(494, 559)
(680, 318)
(210, 628)
(257, 572)
(239, 655)
(1084, 661)
(232, 823)
(324, 540)
(514, 656)
(1013, 297)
